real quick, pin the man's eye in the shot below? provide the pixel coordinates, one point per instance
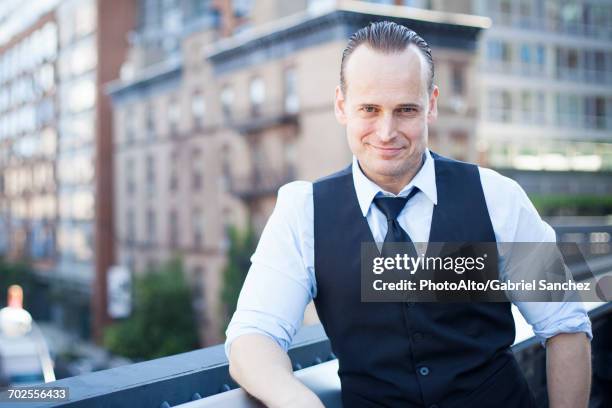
(369, 109)
(407, 110)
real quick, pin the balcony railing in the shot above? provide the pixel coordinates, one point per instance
(200, 379)
(260, 182)
(260, 117)
(561, 120)
(547, 23)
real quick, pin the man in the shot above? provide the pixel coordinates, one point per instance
(396, 354)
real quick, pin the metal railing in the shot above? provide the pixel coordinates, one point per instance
(259, 117)
(265, 181)
(200, 379)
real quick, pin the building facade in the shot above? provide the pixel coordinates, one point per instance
(56, 173)
(28, 141)
(546, 74)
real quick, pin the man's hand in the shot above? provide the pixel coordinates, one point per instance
(264, 370)
(568, 370)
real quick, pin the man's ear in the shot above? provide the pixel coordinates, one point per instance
(339, 106)
(432, 108)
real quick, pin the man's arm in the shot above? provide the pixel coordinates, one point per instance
(264, 370)
(270, 309)
(568, 370)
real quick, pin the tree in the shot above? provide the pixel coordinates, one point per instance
(241, 247)
(162, 322)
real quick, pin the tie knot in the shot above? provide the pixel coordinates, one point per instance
(392, 206)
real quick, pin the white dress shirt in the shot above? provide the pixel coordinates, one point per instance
(281, 280)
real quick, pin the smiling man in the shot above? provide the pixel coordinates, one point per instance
(397, 354)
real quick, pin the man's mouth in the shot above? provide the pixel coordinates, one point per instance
(387, 150)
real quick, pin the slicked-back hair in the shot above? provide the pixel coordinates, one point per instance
(386, 37)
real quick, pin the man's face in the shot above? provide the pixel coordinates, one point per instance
(386, 111)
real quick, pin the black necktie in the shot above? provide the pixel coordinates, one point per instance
(392, 207)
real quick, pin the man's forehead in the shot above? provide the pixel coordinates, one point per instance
(398, 75)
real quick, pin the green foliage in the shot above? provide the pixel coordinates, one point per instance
(162, 321)
(15, 273)
(241, 247)
(588, 205)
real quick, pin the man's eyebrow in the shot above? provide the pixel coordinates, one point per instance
(408, 105)
(401, 105)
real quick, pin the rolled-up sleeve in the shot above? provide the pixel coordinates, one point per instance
(280, 282)
(551, 318)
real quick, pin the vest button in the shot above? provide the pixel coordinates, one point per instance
(424, 371)
(409, 304)
(417, 336)
(433, 406)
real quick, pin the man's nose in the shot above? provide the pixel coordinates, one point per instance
(386, 128)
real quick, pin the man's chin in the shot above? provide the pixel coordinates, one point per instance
(389, 169)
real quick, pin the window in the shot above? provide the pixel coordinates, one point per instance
(257, 95)
(540, 57)
(526, 106)
(525, 12)
(150, 175)
(568, 110)
(525, 54)
(292, 102)
(600, 20)
(79, 96)
(130, 184)
(174, 181)
(196, 169)
(552, 14)
(242, 8)
(540, 109)
(499, 54)
(173, 226)
(594, 66)
(500, 106)
(150, 121)
(198, 110)
(197, 222)
(130, 221)
(151, 227)
(572, 59)
(570, 16)
(227, 100)
(457, 79)
(128, 120)
(505, 12)
(567, 63)
(82, 57)
(75, 168)
(75, 242)
(84, 18)
(199, 291)
(173, 116)
(459, 140)
(595, 112)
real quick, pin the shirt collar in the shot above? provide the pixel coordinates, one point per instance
(366, 189)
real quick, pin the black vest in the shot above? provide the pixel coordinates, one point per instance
(412, 354)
